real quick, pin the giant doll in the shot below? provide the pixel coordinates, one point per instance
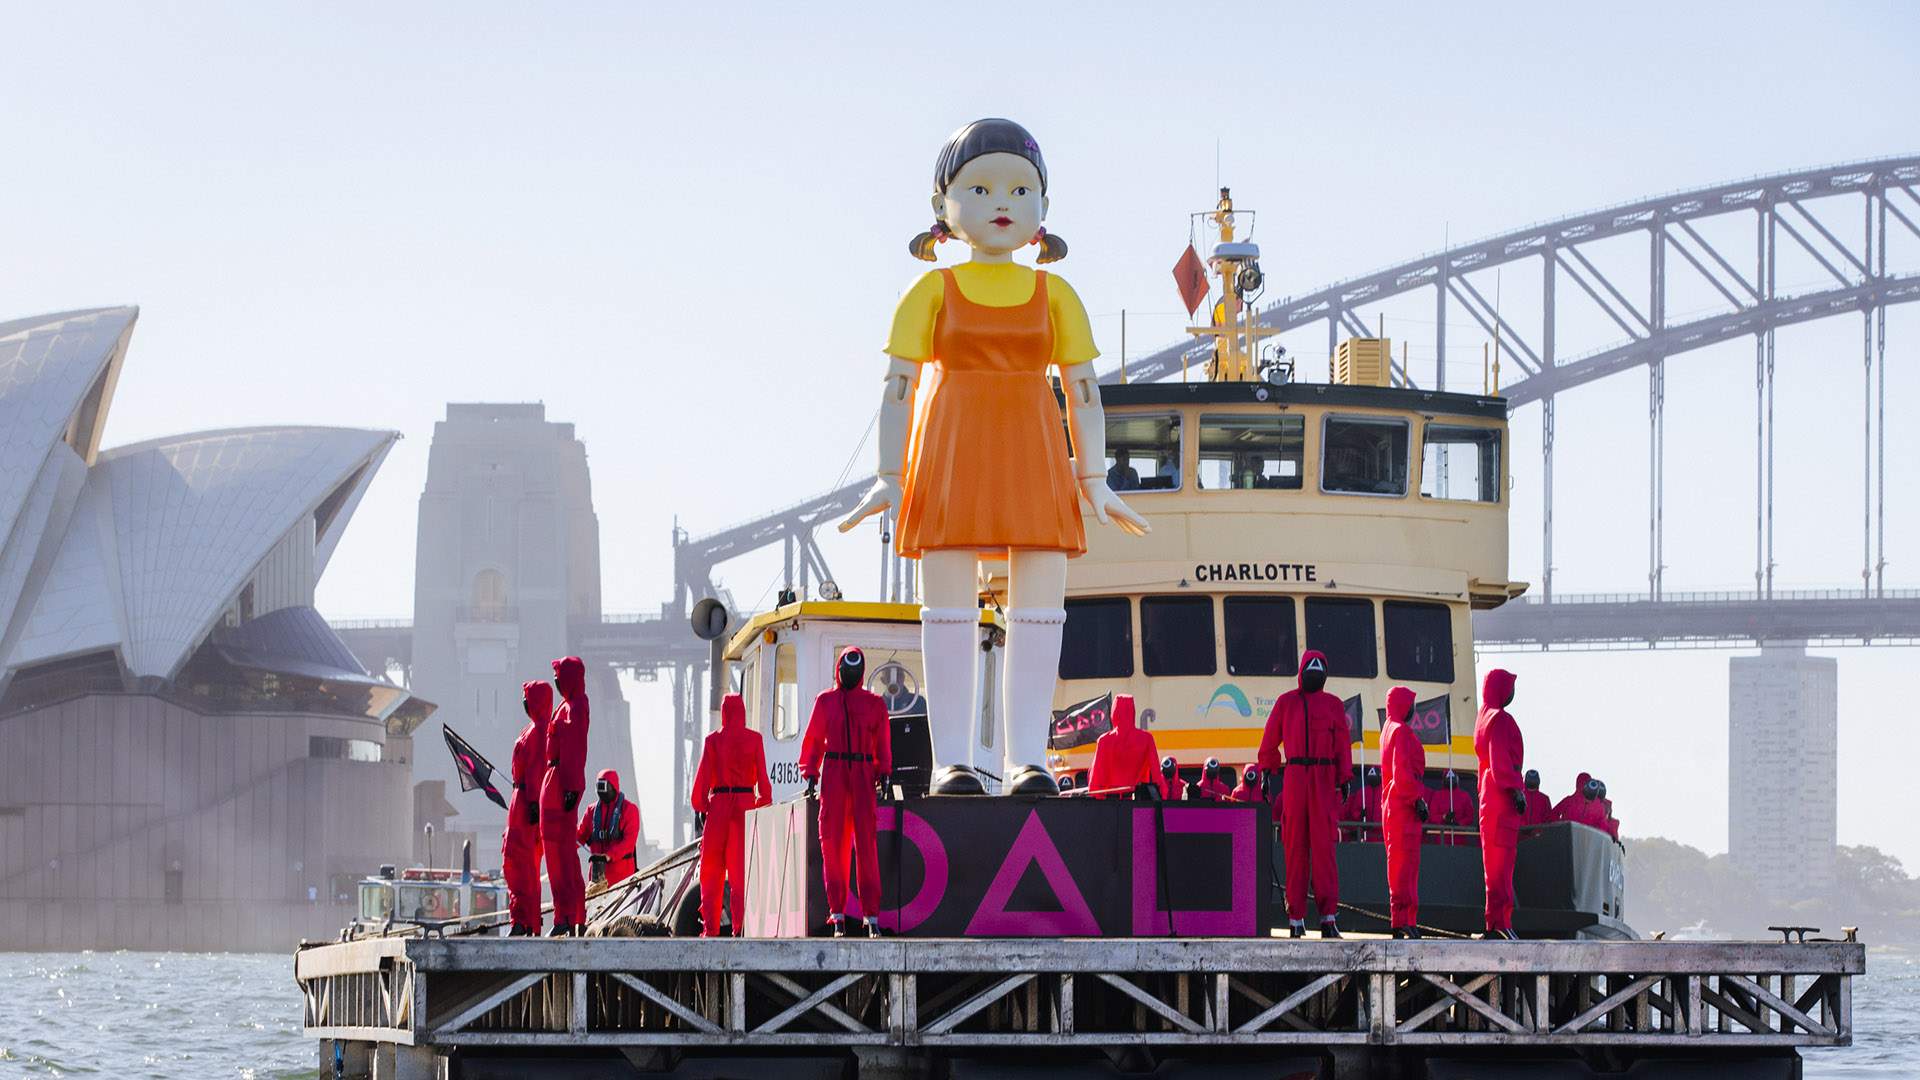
(979, 468)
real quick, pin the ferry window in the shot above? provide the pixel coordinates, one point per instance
(1343, 629)
(750, 690)
(1143, 452)
(1460, 462)
(1097, 642)
(1364, 456)
(1419, 641)
(1251, 450)
(1176, 635)
(786, 692)
(1260, 636)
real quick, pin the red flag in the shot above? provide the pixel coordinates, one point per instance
(1191, 275)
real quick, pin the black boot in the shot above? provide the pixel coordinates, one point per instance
(1413, 933)
(559, 930)
(873, 926)
(1396, 933)
(518, 931)
(1296, 930)
(1328, 929)
(838, 924)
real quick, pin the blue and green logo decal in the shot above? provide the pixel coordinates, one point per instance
(1232, 697)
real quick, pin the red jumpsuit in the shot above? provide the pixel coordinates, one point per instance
(1214, 789)
(848, 747)
(561, 790)
(612, 828)
(1497, 743)
(1403, 768)
(731, 779)
(1539, 808)
(1248, 790)
(1568, 809)
(1311, 726)
(1125, 757)
(520, 844)
(1451, 805)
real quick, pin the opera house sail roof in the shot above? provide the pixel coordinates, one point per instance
(182, 566)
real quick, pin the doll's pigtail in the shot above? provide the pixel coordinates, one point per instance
(921, 247)
(1052, 248)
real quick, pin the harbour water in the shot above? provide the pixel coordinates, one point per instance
(168, 1015)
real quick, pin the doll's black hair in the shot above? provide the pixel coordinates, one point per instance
(978, 139)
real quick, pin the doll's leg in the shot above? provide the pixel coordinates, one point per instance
(949, 649)
(1036, 589)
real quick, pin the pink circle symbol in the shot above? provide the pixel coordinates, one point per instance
(933, 885)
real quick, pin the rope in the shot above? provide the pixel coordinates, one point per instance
(1422, 927)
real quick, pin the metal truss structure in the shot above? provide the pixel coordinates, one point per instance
(1881, 194)
(952, 996)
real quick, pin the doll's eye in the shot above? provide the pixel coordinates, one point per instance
(979, 189)
(1020, 191)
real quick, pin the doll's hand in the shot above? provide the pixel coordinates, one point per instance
(1108, 508)
(884, 493)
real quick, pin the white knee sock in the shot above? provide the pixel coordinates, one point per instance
(949, 650)
(1033, 668)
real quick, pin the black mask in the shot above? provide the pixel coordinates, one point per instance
(1533, 780)
(1169, 768)
(1213, 768)
(605, 789)
(852, 669)
(1592, 790)
(1314, 675)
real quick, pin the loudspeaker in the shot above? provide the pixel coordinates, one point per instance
(912, 752)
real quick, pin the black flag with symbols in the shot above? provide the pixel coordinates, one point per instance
(1081, 723)
(475, 771)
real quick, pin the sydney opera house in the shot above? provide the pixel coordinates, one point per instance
(189, 756)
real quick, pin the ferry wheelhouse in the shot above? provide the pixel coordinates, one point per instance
(1358, 517)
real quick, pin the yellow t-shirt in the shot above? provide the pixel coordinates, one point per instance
(991, 285)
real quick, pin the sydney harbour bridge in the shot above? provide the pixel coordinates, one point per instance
(1666, 276)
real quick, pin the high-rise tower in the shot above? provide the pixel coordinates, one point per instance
(1783, 768)
(507, 565)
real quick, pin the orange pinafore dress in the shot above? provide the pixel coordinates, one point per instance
(987, 465)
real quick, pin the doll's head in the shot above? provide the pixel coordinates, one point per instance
(990, 191)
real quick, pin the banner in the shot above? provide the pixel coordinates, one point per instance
(1082, 723)
(967, 866)
(1354, 726)
(1429, 719)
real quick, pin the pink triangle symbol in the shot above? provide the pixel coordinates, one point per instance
(1033, 845)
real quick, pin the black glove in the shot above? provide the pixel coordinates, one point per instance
(886, 788)
(811, 786)
(1420, 809)
(699, 824)
(1268, 781)
(569, 800)
(1345, 788)
(1520, 801)
(533, 813)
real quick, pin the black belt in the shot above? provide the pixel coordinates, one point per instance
(836, 755)
(1311, 761)
(730, 791)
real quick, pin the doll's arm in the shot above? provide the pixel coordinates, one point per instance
(1089, 422)
(896, 409)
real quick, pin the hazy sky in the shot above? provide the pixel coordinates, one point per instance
(683, 228)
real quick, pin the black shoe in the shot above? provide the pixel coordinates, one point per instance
(559, 930)
(1295, 930)
(838, 924)
(1395, 933)
(518, 931)
(1499, 935)
(1328, 929)
(1413, 933)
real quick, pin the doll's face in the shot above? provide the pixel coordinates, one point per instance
(994, 203)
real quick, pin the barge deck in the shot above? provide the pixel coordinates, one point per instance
(447, 1007)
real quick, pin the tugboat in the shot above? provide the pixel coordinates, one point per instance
(1362, 516)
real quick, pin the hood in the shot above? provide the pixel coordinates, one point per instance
(1306, 660)
(537, 697)
(1580, 784)
(570, 675)
(612, 778)
(850, 667)
(733, 713)
(1123, 712)
(1496, 690)
(1399, 704)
